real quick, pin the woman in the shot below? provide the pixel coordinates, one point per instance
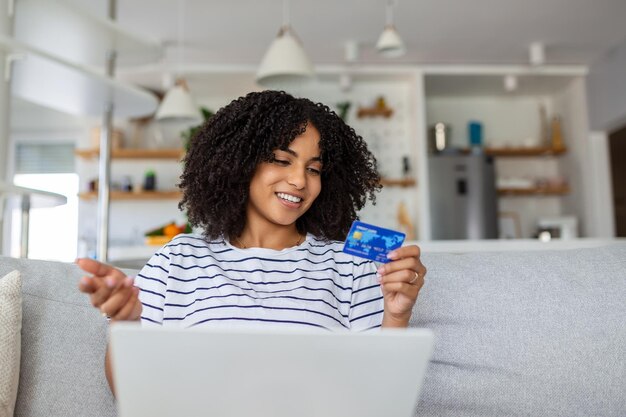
(274, 182)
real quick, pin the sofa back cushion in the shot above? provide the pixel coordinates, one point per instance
(63, 344)
(525, 333)
(10, 340)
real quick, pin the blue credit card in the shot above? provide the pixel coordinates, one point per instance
(372, 242)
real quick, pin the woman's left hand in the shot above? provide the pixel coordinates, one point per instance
(401, 280)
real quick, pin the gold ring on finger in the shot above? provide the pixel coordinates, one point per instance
(414, 279)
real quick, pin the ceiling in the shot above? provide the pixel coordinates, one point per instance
(238, 32)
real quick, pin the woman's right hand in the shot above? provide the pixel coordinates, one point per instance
(110, 290)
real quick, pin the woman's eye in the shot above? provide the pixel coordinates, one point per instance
(280, 161)
(314, 171)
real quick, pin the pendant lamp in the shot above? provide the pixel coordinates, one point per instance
(285, 61)
(390, 43)
(178, 104)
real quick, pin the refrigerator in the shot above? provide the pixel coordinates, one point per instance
(463, 198)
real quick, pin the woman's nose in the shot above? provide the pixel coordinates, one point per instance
(297, 177)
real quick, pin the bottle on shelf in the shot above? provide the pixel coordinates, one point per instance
(557, 135)
(149, 183)
(544, 133)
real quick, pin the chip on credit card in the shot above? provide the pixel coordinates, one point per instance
(372, 242)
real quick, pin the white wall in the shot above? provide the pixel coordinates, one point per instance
(606, 90)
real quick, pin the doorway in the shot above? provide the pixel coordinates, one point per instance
(617, 147)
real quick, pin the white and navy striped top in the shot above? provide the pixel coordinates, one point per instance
(192, 282)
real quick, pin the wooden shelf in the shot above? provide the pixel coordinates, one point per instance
(535, 151)
(374, 112)
(142, 195)
(400, 182)
(130, 153)
(535, 191)
(538, 151)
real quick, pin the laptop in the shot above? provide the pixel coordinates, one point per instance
(163, 372)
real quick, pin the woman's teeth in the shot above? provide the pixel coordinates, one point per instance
(289, 197)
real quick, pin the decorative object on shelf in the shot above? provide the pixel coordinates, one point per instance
(149, 183)
(544, 132)
(390, 44)
(127, 184)
(344, 108)
(163, 234)
(285, 60)
(439, 137)
(475, 134)
(92, 185)
(556, 134)
(406, 166)
(117, 138)
(379, 109)
(405, 223)
(561, 227)
(509, 226)
(188, 134)
(530, 143)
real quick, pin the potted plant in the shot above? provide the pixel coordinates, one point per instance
(189, 133)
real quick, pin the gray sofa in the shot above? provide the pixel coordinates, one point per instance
(517, 334)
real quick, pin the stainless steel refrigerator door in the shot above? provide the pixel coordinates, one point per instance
(463, 198)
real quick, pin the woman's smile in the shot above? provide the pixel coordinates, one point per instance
(290, 200)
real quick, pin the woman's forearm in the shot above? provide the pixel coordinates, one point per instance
(108, 371)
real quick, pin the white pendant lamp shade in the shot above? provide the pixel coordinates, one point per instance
(178, 104)
(390, 44)
(285, 61)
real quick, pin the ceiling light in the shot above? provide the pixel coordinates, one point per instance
(285, 61)
(178, 103)
(351, 51)
(510, 83)
(537, 53)
(389, 43)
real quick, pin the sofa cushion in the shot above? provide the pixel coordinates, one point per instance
(10, 328)
(63, 344)
(525, 333)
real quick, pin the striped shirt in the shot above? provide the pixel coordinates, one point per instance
(191, 282)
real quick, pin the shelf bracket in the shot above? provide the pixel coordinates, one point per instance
(8, 64)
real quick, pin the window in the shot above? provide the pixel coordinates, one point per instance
(53, 231)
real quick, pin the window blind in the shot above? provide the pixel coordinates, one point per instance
(38, 158)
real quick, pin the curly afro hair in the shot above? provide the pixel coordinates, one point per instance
(226, 150)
